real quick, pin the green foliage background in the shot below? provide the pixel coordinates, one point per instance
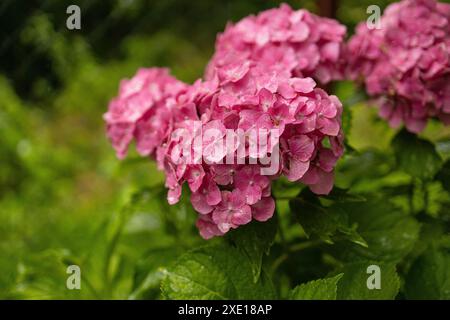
(65, 199)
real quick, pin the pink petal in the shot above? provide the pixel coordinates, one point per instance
(297, 169)
(303, 85)
(263, 210)
(325, 183)
(242, 216)
(328, 126)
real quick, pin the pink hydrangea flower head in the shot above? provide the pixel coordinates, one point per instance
(296, 42)
(240, 99)
(405, 65)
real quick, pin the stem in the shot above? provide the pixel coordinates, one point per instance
(111, 248)
(282, 236)
(328, 8)
(279, 227)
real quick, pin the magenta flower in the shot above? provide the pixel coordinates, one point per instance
(172, 183)
(298, 43)
(320, 175)
(251, 183)
(142, 111)
(232, 211)
(208, 229)
(263, 210)
(207, 197)
(318, 180)
(224, 173)
(194, 175)
(301, 149)
(405, 65)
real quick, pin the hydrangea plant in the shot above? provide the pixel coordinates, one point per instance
(243, 93)
(263, 121)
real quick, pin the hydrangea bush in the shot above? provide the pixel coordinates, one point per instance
(268, 85)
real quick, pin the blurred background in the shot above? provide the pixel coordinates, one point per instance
(64, 197)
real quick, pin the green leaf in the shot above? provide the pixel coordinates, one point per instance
(314, 218)
(416, 156)
(443, 147)
(429, 276)
(354, 283)
(255, 240)
(148, 212)
(389, 232)
(43, 276)
(321, 221)
(322, 289)
(343, 195)
(215, 272)
(149, 272)
(363, 171)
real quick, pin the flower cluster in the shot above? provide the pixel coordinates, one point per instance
(244, 102)
(142, 111)
(405, 64)
(297, 42)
